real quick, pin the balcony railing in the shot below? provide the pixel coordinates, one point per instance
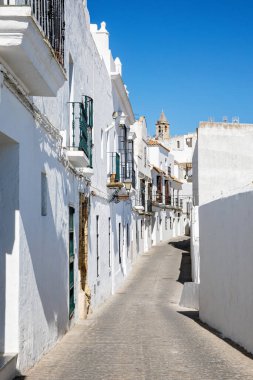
(81, 127)
(50, 16)
(114, 167)
(158, 197)
(149, 205)
(168, 200)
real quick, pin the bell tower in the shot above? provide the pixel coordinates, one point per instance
(162, 128)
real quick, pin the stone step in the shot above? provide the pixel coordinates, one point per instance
(8, 364)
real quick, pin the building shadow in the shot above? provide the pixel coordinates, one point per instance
(185, 265)
(184, 244)
(185, 268)
(194, 315)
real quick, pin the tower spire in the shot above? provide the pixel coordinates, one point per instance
(162, 127)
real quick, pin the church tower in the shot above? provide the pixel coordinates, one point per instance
(162, 128)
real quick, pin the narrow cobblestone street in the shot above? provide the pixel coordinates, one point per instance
(142, 333)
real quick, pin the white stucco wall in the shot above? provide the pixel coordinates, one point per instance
(226, 240)
(37, 309)
(195, 256)
(185, 152)
(225, 160)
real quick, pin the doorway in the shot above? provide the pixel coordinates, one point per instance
(84, 295)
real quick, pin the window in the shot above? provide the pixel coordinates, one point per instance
(178, 144)
(120, 243)
(97, 243)
(145, 156)
(109, 241)
(43, 194)
(166, 223)
(189, 142)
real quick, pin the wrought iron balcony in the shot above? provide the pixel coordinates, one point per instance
(149, 205)
(168, 200)
(140, 201)
(114, 170)
(31, 33)
(158, 197)
(50, 16)
(142, 204)
(80, 149)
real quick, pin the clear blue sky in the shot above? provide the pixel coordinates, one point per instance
(193, 58)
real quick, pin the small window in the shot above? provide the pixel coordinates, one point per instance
(189, 142)
(178, 144)
(44, 192)
(145, 157)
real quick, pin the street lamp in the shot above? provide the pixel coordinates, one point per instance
(128, 186)
(122, 121)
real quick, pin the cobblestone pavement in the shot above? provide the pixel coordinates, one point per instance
(142, 333)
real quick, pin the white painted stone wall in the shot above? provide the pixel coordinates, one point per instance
(226, 240)
(225, 160)
(224, 164)
(184, 152)
(36, 247)
(195, 256)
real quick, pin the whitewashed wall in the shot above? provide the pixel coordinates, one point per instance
(36, 248)
(185, 152)
(226, 241)
(225, 160)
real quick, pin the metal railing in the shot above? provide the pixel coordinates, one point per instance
(81, 139)
(158, 197)
(168, 200)
(140, 199)
(50, 16)
(149, 205)
(114, 167)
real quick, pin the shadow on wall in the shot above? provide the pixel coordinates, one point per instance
(9, 203)
(44, 251)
